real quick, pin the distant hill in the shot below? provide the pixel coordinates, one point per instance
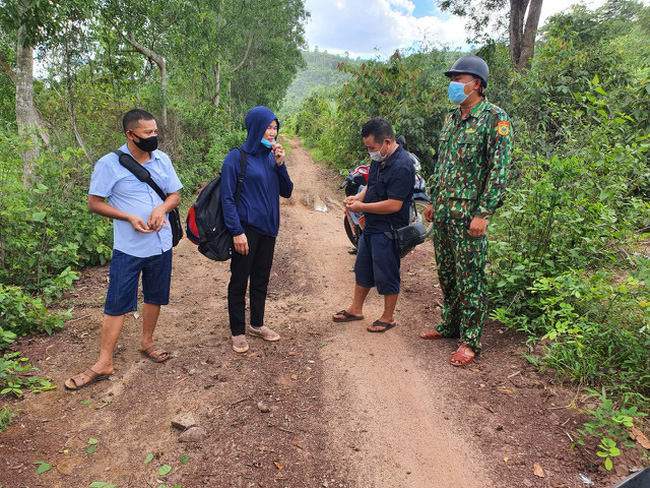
(320, 72)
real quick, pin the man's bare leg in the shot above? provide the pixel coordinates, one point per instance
(150, 315)
(360, 294)
(390, 301)
(111, 329)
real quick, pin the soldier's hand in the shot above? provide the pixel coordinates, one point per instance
(428, 213)
(477, 227)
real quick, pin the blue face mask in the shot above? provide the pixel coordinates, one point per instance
(266, 143)
(456, 92)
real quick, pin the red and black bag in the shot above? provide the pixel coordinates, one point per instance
(205, 224)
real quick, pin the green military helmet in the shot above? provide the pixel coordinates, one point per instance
(471, 65)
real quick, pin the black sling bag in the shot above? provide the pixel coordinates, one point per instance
(142, 173)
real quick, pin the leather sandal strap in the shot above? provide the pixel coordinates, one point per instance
(155, 353)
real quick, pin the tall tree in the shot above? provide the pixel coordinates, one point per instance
(522, 20)
(240, 56)
(30, 21)
(145, 25)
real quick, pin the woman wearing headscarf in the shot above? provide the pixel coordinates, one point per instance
(253, 222)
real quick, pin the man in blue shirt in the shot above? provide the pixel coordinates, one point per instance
(386, 202)
(142, 240)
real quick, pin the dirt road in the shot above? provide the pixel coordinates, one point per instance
(329, 405)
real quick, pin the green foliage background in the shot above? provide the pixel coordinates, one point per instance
(221, 60)
(569, 250)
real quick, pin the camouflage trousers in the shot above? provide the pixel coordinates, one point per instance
(461, 271)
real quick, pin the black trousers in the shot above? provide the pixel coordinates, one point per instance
(256, 265)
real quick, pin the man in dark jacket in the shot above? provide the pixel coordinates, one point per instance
(385, 201)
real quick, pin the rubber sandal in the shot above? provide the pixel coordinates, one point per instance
(154, 354)
(378, 323)
(77, 382)
(460, 358)
(431, 335)
(348, 317)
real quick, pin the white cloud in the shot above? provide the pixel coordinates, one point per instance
(368, 28)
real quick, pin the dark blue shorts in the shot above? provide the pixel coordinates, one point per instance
(122, 296)
(378, 264)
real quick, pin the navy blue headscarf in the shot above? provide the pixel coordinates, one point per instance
(257, 120)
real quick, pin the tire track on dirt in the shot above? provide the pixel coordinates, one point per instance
(385, 413)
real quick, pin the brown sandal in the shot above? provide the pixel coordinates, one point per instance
(431, 334)
(154, 354)
(461, 358)
(77, 382)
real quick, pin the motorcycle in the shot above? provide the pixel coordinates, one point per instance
(356, 180)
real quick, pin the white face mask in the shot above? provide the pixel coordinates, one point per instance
(376, 155)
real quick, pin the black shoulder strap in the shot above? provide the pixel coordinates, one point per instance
(140, 172)
(242, 174)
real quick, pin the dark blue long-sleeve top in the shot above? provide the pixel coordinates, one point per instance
(264, 182)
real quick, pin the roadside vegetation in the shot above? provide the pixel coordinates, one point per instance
(570, 248)
(197, 66)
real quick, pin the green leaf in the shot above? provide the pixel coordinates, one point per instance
(85, 402)
(596, 80)
(184, 459)
(39, 216)
(164, 469)
(148, 459)
(91, 449)
(609, 464)
(100, 484)
(43, 467)
(92, 441)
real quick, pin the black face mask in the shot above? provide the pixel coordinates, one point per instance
(149, 144)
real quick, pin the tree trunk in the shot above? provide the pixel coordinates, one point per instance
(516, 28)
(160, 61)
(530, 32)
(217, 85)
(522, 40)
(25, 112)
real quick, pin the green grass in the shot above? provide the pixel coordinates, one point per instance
(6, 415)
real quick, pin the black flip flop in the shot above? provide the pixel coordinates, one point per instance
(386, 326)
(348, 317)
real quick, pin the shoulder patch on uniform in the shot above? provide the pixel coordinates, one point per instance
(503, 127)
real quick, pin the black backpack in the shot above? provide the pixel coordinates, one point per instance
(205, 224)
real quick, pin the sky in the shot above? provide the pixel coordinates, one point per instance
(367, 28)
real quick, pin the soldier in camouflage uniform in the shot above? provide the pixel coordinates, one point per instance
(469, 183)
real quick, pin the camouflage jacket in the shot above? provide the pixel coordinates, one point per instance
(470, 176)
